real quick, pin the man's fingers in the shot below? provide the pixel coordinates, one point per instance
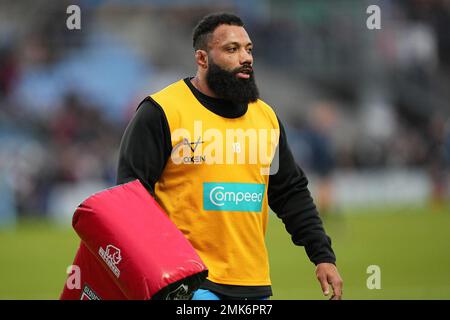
(336, 283)
(324, 284)
(327, 275)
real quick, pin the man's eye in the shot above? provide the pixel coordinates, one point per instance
(231, 49)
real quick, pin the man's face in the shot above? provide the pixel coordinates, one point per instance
(231, 48)
(230, 65)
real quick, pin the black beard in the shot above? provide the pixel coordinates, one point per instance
(227, 86)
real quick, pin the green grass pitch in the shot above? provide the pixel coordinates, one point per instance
(410, 245)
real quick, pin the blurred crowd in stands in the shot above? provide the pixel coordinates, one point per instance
(370, 99)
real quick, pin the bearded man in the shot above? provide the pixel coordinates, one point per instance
(216, 157)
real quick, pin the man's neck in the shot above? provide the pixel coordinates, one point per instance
(201, 85)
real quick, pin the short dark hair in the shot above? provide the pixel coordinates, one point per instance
(208, 24)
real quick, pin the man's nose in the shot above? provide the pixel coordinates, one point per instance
(245, 57)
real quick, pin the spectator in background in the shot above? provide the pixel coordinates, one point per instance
(313, 147)
(447, 157)
(8, 71)
(319, 137)
(438, 165)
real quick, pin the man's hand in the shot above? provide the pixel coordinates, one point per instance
(327, 273)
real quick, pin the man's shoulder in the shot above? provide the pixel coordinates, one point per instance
(148, 110)
(263, 104)
(266, 108)
(169, 88)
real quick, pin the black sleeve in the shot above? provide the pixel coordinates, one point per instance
(291, 200)
(145, 146)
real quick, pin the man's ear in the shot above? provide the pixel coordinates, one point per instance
(201, 57)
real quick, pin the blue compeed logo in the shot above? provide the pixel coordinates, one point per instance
(228, 196)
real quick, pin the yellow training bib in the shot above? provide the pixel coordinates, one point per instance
(214, 185)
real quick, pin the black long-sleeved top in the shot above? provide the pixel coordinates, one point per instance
(146, 147)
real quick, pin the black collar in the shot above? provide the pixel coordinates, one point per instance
(221, 107)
